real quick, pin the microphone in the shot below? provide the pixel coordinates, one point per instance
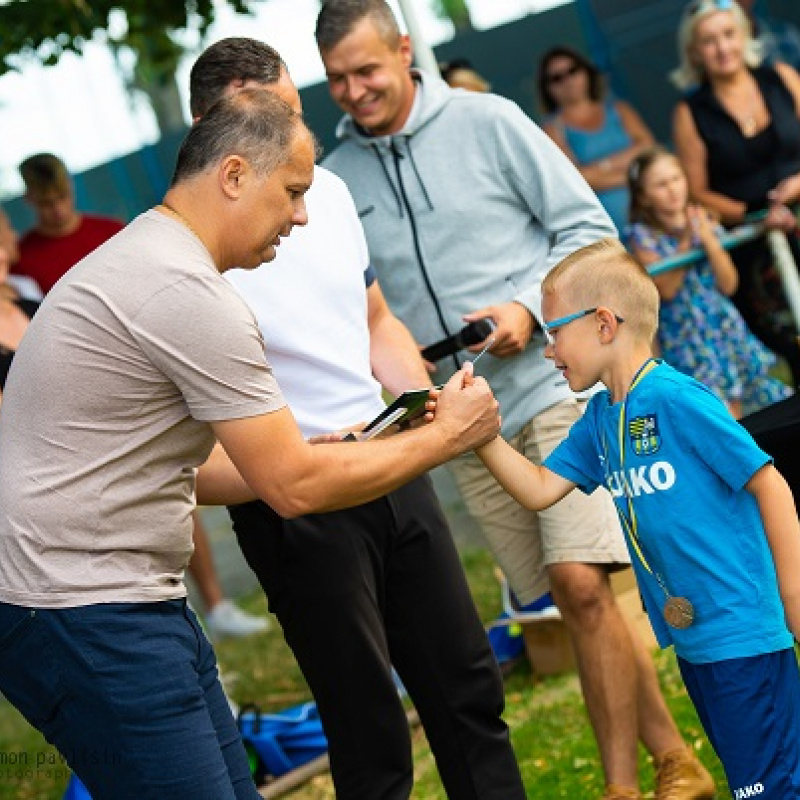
(474, 333)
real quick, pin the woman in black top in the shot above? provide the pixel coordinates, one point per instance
(737, 134)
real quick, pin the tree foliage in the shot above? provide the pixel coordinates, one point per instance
(457, 11)
(43, 30)
(47, 30)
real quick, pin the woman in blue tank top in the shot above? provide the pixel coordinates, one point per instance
(600, 135)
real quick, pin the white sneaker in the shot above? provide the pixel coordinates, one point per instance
(228, 620)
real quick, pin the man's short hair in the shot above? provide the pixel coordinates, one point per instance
(337, 18)
(234, 59)
(606, 274)
(45, 173)
(251, 123)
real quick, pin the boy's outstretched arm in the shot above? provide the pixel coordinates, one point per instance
(779, 516)
(532, 486)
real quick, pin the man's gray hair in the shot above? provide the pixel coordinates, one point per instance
(252, 123)
(233, 59)
(337, 18)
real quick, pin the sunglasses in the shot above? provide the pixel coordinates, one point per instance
(707, 5)
(558, 77)
(550, 329)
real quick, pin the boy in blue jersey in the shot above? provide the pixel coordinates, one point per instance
(710, 523)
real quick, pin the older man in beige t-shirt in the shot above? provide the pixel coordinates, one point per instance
(138, 361)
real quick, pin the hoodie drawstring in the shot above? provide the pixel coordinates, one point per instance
(388, 177)
(398, 156)
(416, 172)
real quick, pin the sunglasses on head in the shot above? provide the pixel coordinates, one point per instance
(557, 77)
(708, 5)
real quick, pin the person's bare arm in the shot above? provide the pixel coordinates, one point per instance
(788, 190)
(726, 276)
(598, 174)
(668, 283)
(612, 171)
(296, 478)
(219, 482)
(641, 136)
(692, 153)
(779, 515)
(394, 356)
(532, 486)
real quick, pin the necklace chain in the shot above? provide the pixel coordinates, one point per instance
(174, 211)
(747, 120)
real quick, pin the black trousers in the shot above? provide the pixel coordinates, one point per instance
(360, 590)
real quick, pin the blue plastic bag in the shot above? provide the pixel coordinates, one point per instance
(281, 741)
(76, 790)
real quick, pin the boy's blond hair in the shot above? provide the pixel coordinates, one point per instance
(605, 274)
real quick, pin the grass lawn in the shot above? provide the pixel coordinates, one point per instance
(550, 731)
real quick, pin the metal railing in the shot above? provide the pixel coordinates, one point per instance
(752, 229)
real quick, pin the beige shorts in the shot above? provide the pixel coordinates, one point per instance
(578, 529)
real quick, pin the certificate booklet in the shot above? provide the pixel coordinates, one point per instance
(407, 407)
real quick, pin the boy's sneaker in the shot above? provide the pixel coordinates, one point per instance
(681, 776)
(614, 792)
(227, 620)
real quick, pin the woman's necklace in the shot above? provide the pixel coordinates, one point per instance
(746, 120)
(749, 124)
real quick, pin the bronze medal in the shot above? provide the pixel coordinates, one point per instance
(678, 612)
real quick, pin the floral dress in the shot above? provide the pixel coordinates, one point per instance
(702, 334)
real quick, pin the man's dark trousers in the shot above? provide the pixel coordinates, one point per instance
(360, 590)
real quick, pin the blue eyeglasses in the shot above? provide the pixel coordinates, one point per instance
(551, 328)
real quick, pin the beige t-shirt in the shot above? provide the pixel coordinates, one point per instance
(105, 418)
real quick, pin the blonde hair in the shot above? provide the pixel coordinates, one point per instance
(606, 274)
(689, 74)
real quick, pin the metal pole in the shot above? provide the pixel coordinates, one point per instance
(423, 52)
(787, 269)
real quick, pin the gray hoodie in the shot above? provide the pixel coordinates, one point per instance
(470, 205)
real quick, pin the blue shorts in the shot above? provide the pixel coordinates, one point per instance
(750, 709)
(129, 693)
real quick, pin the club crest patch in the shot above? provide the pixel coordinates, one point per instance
(644, 436)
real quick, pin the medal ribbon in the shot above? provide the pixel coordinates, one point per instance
(678, 612)
(629, 523)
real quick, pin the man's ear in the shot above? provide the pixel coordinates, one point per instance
(406, 50)
(233, 172)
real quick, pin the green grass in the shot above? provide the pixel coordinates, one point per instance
(550, 732)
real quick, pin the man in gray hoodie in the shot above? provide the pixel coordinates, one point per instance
(467, 205)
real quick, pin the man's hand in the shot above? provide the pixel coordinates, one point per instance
(465, 411)
(514, 326)
(336, 436)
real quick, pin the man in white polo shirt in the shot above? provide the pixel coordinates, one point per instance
(381, 584)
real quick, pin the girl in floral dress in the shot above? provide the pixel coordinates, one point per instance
(700, 331)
